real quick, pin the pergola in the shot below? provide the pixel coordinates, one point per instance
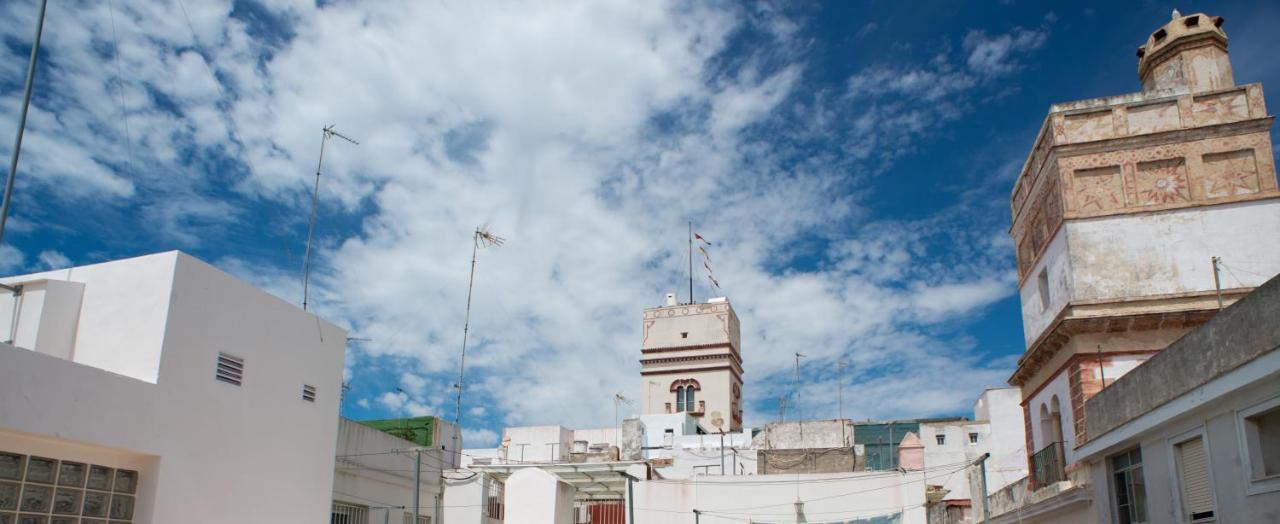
(592, 480)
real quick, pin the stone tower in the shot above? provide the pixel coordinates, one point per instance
(691, 361)
(1118, 211)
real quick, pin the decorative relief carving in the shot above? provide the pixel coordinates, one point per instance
(1228, 174)
(1219, 108)
(1161, 182)
(1154, 118)
(1086, 127)
(1098, 189)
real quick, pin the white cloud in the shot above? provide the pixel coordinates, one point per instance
(479, 438)
(540, 120)
(51, 259)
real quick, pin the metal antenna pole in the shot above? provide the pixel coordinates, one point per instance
(481, 237)
(417, 483)
(690, 261)
(315, 203)
(1217, 284)
(22, 118)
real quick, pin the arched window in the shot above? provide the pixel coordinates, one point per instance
(1055, 413)
(689, 405)
(680, 398)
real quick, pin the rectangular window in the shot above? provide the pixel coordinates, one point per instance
(942, 439)
(47, 490)
(1128, 488)
(1042, 283)
(1193, 480)
(230, 369)
(973, 438)
(308, 393)
(1261, 431)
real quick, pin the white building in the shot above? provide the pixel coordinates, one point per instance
(374, 474)
(159, 389)
(997, 428)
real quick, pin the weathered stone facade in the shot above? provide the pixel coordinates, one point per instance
(1116, 215)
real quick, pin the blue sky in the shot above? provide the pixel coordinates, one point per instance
(851, 162)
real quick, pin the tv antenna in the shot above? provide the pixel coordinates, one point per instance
(329, 132)
(481, 238)
(618, 400)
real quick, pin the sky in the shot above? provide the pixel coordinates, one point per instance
(850, 162)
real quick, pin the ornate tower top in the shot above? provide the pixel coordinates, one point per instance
(1187, 54)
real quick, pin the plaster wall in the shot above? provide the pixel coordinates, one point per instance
(252, 453)
(534, 496)
(538, 443)
(1055, 263)
(1164, 253)
(365, 474)
(465, 498)
(121, 317)
(716, 394)
(773, 498)
(1006, 437)
(955, 449)
(1236, 498)
(1058, 387)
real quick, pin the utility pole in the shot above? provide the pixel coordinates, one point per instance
(417, 482)
(697, 516)
(1217, 283)
(315, 203)
(982, 469)
(22, 118)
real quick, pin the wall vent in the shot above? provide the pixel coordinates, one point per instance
(308, 393)
(230, 369)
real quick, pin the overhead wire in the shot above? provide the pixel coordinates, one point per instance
(124, 109)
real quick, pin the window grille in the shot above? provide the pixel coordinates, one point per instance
(348, 514)
(942, 439)
(1193, 480)
(230, 369)
(422, 519)
(973, 438)
(308, 393)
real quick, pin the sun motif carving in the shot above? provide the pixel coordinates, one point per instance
(1230, 184)
(1098, 192)
(1165, 189)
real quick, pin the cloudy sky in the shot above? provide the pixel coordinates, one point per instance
(850, 161)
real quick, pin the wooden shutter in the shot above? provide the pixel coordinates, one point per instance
(1193, 473)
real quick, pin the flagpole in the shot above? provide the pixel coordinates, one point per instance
(690, 261)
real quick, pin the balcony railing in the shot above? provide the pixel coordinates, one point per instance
(1046, 465)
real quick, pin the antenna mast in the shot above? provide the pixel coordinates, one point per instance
(690, 261)
(315, 202)
(481, 238)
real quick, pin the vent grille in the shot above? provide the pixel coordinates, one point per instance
(308, 393)
(230, 369)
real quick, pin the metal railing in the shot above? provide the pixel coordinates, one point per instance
(348, 514)
(1046, 465)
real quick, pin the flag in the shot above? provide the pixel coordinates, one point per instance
(699, 237)
(704, 253)
(713, 281)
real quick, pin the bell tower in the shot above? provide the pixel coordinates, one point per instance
(1121, 213)
(691, 362)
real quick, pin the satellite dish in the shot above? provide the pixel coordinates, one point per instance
(716, 419)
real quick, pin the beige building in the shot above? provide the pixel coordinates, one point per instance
(1121, 214)
(692, 363)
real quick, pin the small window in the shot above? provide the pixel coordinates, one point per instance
(230, 369)
(942, 439)
(1262, 438)
(1042, 283)
(684, 334)
(1128, 487)
(1159, 35)
(1192, 21)
(1193, 480)
(308, 393)
(973, 438)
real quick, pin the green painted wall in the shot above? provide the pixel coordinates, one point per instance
(419, 430)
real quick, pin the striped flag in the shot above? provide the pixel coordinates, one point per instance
(706, 258)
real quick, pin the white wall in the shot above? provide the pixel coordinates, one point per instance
(1059, 386)
(1169, 252)
(368, 473)
(772, 498)
(1006, 440)
(254, 453)
(1056, 260)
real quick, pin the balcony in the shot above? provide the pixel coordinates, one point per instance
(1046, 465)
(702, 408)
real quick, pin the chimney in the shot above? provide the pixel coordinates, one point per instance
(671, 299)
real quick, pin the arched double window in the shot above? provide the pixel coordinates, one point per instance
(685, 398)
(686, 394)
